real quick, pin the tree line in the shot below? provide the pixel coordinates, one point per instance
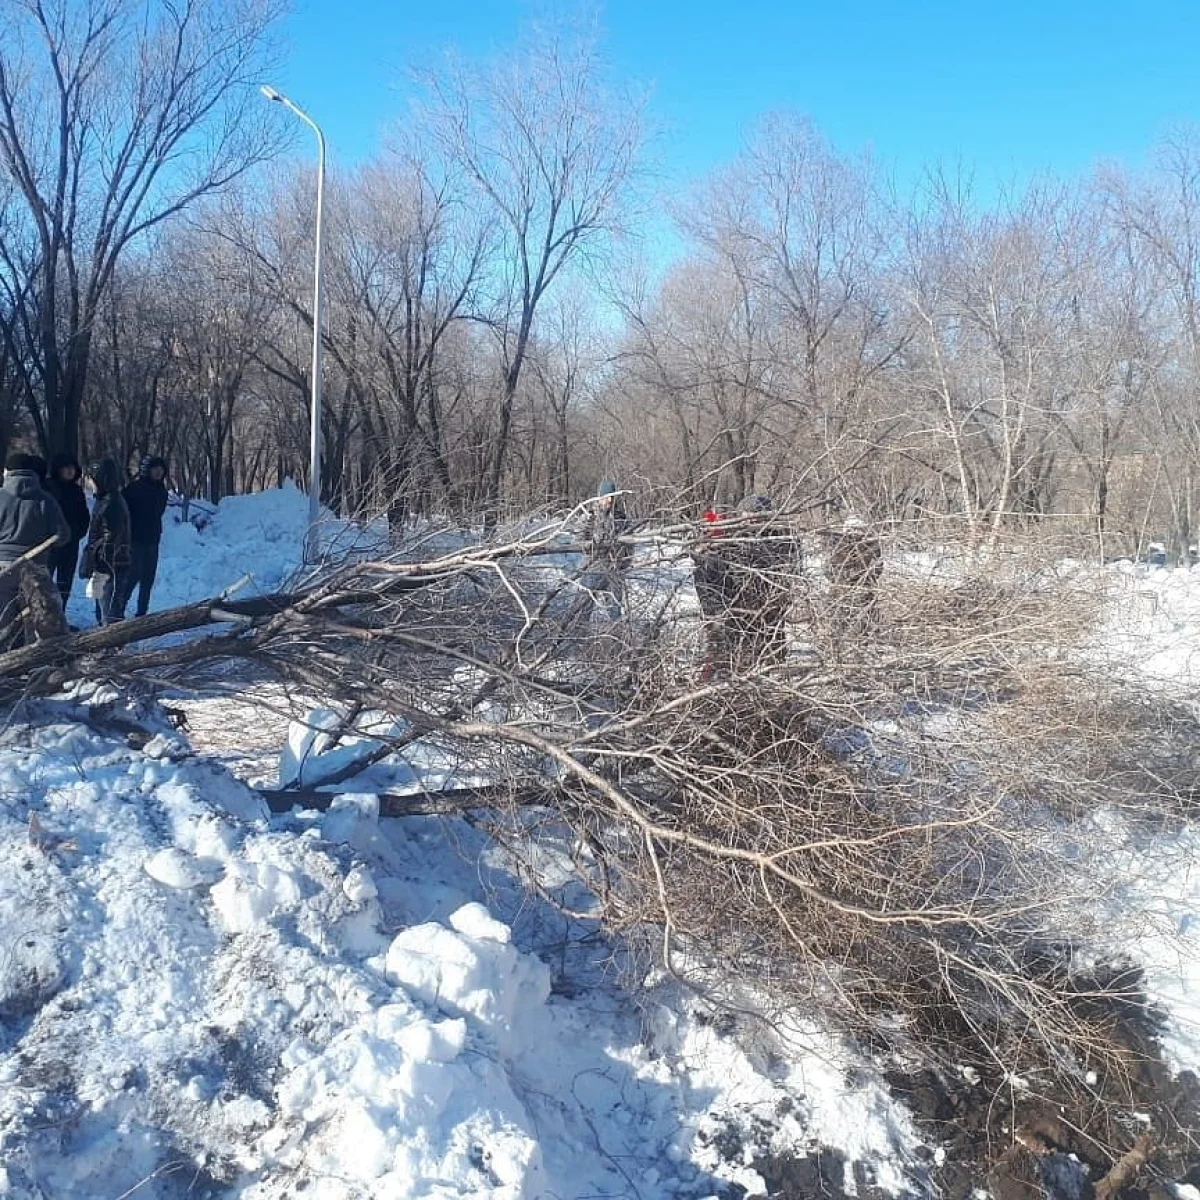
(494, 338)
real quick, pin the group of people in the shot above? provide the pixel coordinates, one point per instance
(45, 521)
(744, 571)
(745, 567)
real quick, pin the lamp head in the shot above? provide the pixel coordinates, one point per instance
(271, 94)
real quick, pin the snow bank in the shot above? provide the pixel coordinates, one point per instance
(1152, 623)
(259, 535)
(185, 983)
(194, 997)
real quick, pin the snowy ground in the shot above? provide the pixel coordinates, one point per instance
(329, 1002)
(1154, 622)
(199, 1000)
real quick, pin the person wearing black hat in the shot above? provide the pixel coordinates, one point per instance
(106, 556)
(31, 524)
(146, 498)
(65, 484)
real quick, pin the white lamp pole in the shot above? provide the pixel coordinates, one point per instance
(311, 541)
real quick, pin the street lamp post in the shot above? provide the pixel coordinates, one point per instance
(311, 540)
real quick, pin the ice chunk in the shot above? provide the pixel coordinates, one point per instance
(174, 868)
(474, 921)
(473, 971)
(358, 886)
(306, 740)
(253, 892)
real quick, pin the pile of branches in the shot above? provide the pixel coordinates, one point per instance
(873, 824)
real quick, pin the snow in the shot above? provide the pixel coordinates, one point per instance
(197, 998)
(1150, 635)
(187, 981)
(1156, 908)
(1153, 616)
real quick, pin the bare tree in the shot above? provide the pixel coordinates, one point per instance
(1160, 217)
(565, 365)
(808, 231)
(114, 116)
(551, 151)
(1114, 341)
(126, 406)
(994, 295)
(409, 252)
(220, 316)
(705, 352)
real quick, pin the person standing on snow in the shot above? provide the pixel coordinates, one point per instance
(854, 566)
(106, 557)
(608, 556)
(65, 484)
(744, 583)
(29, 518)
(146, 498)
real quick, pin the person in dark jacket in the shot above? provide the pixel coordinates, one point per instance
(745, 577)
(106, 556)
(146, 497)
(854, 566)
(30, 520)
(65, 484)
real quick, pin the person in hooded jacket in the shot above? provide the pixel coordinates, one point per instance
(106, 557)
(29, 518)
(65, 484)
(708, 568)
(146, 497)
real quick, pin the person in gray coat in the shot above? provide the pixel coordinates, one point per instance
(608, 557)
(30, 521)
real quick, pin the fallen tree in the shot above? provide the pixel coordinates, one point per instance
(873, 825)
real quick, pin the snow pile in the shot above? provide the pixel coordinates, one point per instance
(261, 535)
(184, 983)
(196, 999)
(472, 970)
(1152, 623)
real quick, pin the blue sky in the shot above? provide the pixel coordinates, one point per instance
(1010, 89)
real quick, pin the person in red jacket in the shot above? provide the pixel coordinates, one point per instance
(744, 578)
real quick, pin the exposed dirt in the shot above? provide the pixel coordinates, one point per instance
(1022, 1140)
